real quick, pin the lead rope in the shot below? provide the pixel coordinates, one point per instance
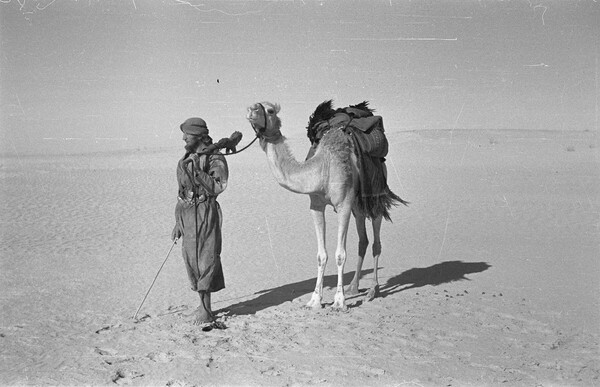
(229, 154)
(258, 133)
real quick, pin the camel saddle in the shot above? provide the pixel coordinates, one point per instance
(370, 146)
(358, 121)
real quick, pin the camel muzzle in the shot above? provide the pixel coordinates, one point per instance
(257, 129)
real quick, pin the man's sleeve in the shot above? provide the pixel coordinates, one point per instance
(215, 181)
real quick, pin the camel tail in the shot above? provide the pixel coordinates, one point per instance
(373, 206)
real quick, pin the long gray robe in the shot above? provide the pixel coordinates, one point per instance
(201, 226)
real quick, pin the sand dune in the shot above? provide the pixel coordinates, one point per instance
(489, 277)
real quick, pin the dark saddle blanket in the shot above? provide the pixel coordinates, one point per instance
(370, 145)
(366, 129)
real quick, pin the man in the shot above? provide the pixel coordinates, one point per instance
(201, 178)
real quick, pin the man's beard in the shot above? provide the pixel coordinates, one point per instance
(193, 146)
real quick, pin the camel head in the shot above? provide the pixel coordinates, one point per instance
(263, 118)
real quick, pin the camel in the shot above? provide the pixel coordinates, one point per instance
(330, 177)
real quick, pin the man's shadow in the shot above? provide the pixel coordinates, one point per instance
(435, 275)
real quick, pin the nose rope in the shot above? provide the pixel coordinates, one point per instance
(260, 132)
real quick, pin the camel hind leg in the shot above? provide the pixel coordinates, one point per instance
(374, 291)
(363, 242)
(376, 223)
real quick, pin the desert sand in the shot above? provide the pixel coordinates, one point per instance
(490, 276)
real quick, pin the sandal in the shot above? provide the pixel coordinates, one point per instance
(213, 325)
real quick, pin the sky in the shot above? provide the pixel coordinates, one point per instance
(88, 75)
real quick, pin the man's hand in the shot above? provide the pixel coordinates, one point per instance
(176, 233)
(232, 142)
(227, 143)
(192, 158)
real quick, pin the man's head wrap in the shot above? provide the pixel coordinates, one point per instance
(195, 126)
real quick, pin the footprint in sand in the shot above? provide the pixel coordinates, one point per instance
(161, 357)
(105, 351)
(372, 370)
(123, 376)
(176, 383)
(107, 328)
(271, 371)
(110, 357)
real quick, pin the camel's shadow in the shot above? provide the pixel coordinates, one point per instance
(441, 273)
(437, 274)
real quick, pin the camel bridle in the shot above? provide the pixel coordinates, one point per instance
(258, 130)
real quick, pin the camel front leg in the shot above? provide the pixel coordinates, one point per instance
(374, 291)
(340, 256)
(363, 242)
(318, 215)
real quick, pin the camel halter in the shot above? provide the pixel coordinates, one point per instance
(260, 132)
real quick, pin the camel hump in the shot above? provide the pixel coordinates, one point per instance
(357, 120)
(358, 111)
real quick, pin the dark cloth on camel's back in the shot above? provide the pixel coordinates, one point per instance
(366, 130)
(201, 226)
(370, 146)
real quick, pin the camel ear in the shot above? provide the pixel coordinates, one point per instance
(274, 106)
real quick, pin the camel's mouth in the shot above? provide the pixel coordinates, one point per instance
(250, 115)
(254, 116)
(264, 120)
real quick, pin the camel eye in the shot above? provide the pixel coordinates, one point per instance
(270, 111)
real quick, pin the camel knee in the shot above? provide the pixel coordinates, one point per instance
(376, 248)
(321, 260)
(340, 258)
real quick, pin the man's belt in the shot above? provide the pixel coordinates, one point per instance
(189, 198)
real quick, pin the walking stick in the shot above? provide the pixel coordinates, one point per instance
(155, 277)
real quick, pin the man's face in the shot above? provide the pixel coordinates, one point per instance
(193, 143)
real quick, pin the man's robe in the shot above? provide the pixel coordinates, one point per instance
(200, 220)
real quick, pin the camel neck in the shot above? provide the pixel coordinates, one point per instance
(276, 137)
(299, 177)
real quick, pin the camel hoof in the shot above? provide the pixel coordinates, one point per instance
(373, 292)
(352, 290)
(339, 308)
(313, 305)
